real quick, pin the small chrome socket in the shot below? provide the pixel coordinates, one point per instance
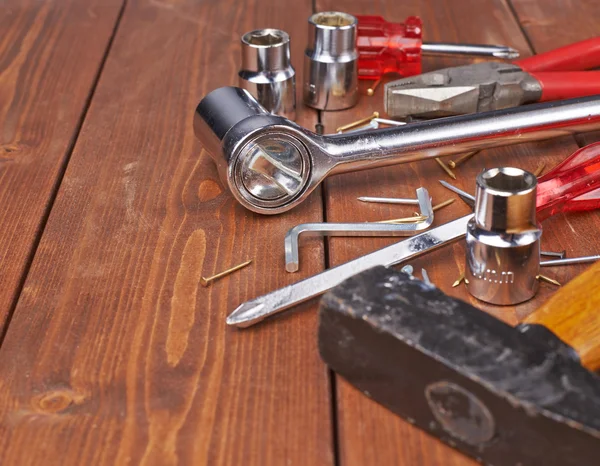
(331, 61)
(267, 72)
(503, 238)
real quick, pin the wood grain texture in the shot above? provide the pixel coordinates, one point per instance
(575, 19)
(368, 434)
(115, 353)
(50, 55)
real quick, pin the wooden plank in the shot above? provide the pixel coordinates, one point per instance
(368, 434)
(50, 55)
(115, 353)
(576, 21)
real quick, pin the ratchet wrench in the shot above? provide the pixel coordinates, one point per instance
(271, 164)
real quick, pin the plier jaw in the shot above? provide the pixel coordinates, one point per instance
(463, 89)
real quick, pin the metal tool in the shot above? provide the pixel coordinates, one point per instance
(292, 238)
(254, 311)
(271, 164)
(570, 261)
(506, 396)
(573, 187)
(267, 71)
(488, 86)
(387, 47)
(503, 238)
(387, 200)
(330, 61)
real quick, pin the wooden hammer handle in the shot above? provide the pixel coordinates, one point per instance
(573, 314)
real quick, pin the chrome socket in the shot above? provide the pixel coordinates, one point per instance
(267, 71)
(331, 61)
(503, 238)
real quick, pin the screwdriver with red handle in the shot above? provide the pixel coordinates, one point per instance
(571, 186)
(386, 47)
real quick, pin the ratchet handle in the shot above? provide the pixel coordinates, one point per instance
(579, 56)
(567, 85)
(572, 186)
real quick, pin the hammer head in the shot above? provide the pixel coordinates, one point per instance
(503, 395)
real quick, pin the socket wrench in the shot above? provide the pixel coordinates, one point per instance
(267, 71)
(331, 61)
(503, 238)
(271, 164)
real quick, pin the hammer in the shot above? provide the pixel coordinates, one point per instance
(523, 395)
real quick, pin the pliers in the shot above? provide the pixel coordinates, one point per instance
(486, 86)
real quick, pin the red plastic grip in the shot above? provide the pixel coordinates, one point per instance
(579, 56)
(567, 85)
(573, 185)
(386, 47)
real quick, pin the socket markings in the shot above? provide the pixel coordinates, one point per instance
(492, 276)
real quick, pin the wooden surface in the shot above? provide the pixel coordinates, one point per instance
(114, 354)
(50, 56)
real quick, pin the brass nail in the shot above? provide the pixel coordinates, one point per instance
(435, 208)
(461, 159)
(538, 171)
(354, 124)
(446, 169)
(415, 219)
(371, 90)
(548, 280)
(459, 280)
(205, 281)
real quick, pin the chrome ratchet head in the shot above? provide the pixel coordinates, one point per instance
(264, 159)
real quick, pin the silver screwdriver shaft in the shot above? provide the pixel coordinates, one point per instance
(497, 51)
(252, 312)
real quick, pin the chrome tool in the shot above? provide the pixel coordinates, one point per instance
(292, 238)
(570, 261)
(270, 164)
(488, 86)
(252, 312)
(330, 62)
(503, 238)
(267, 71)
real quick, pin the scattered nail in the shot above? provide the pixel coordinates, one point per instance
(206, 281)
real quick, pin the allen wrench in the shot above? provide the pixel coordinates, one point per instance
(292, 238)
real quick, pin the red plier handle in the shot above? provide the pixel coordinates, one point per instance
(573, 185)
(579, 56)
(560, 71)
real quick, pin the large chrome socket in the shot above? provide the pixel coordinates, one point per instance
(267, 71)
(503, 238)
(331, 62)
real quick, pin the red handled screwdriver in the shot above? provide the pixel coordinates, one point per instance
(571, 186)
(386, 47)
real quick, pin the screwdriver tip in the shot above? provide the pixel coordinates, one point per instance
(246, 315)
(509, 53)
